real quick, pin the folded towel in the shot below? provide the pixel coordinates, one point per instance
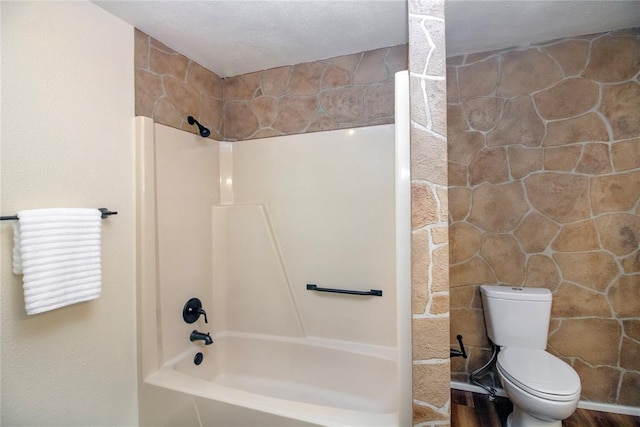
(58, 252)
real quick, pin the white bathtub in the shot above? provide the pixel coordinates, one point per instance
(322, 382)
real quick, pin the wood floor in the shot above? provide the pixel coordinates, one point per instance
(475, 410)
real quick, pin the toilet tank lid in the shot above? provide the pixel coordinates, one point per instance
(514, 293)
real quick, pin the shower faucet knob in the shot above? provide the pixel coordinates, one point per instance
(193, 310)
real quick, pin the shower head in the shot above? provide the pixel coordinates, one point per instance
(204, 132)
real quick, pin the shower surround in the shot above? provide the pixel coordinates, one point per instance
(544, 183)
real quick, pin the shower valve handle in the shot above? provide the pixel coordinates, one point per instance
(193, 310)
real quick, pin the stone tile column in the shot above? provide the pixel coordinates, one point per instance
(429, 213)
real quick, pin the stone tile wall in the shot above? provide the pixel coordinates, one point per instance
(342, 92)
(544, 189)
(170, 87)
(430, 250)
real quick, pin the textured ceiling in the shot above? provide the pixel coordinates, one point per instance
(232, 37)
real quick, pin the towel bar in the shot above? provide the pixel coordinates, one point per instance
(106, 213)
(372, 292)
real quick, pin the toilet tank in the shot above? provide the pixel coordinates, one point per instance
(517, 317)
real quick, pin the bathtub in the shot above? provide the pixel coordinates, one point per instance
(283, 356)
(315, 381)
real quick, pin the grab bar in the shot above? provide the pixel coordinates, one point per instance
(372, 292)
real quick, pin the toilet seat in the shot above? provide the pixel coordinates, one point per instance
(539, 373)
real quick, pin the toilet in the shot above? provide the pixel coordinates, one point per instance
(544, 390)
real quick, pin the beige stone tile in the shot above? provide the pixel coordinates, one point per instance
(542, 272)
(598, 343)
(479, 56)
(440, 272)
(631, 263)
(455, 60)
(168, 64)
(464, 146)
(239, 120)
(211, 112)
(504, 255)
(569, 98)
(372, 68)
(439, 235)
(274, 81)
(321, 121)
(379, 101)
(459, 202)
(148, 89)
(140, 49)
(423, 205)
(431, 383)
(306, 78)
(613, 59)
(420, 260)
(348, 63)
(599, 384)
(242, 87)
(626, 154)
(535, 232)
(204, 80)
(629, 389)
(613, 193)
(632, 328)
(588, 127)
(428, 157)
(523, 160)
(562, 158)
(483, 113)
(577, 237)
(478, 79)
(527, 71)
(595, 159)
(437, 58)
(457, 174)
(621, 106)
(619, 232)
(343, 105)
(478, 358)
(629, 352)
(476, 271)
(456, 121)
(439, 305)
(464, 242)
(498, 208)
(570, 54)
(397, 59)
(624, 296)
(265, 110)
(461, 297)
(520, 124)
(469, 323)
(423, 414)
(165, 113)
(563, 198)
(265, 133)
(335, 77)
(428, 336)
(185, 98)
(161, 46)
(431, 8)
(436, 99)
(294, 113)
(489, 165)
(575, 301)
(592, 269)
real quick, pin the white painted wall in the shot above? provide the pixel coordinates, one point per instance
(67, 140)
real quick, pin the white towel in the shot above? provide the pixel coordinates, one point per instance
(58, 252)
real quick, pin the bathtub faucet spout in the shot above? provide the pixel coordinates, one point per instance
(195, 336)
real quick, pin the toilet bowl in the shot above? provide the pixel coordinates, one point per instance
(544, 390)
